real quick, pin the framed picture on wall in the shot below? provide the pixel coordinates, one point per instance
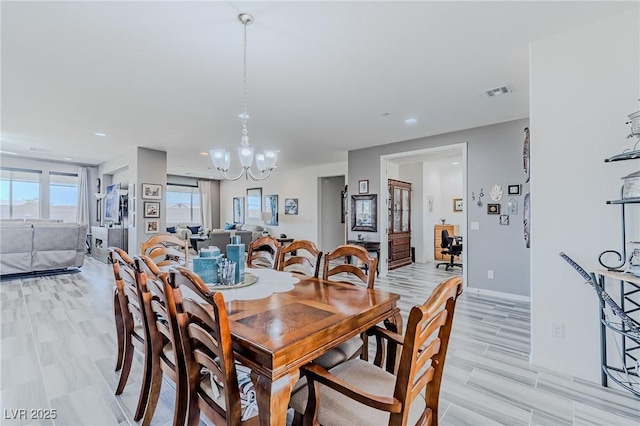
(363, 186)
(151, 226)
(290, 206)
(151, 209)
(151, 191)
(457, 204)
(513, 189)
(493, 208)
(238, 209)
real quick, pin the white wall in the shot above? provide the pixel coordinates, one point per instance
(299, 183)
(584, 83)
(432, 187)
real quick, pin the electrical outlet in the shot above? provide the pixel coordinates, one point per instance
(557, 329)
(490, 274)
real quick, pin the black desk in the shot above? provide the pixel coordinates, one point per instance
(371, 246)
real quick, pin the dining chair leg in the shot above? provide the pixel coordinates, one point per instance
(120, 330)
(182, 392)
(151, 391)
(126, 363)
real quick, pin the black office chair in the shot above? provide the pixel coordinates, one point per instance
(450, 247)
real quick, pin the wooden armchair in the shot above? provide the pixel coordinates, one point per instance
(306, 263)
(264, 253)
(359, 345)
(166, 249)
(207, 347)
(128, 314)
(383, 397)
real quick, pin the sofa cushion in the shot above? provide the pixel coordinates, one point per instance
(58, 245)
(16, 247)
(194, 229)
(171, 229)
(229, 226)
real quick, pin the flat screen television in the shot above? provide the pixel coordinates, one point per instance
(112, 203)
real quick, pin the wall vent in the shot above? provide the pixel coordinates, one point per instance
(497, 91)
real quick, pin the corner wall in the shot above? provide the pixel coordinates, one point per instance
(584, 83)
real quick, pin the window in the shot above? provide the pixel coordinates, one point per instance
(63, 196)
(183, 204)
(19, 194)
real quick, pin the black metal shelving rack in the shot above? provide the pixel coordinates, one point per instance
(625, 371)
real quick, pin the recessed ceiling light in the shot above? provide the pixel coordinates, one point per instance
(67, 158)
(411, 120)
(100, 134)
(8, 153)
(204, 153)
(245, 116)
(38, 149)
(455, 163)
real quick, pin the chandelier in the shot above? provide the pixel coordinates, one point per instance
(266, 161)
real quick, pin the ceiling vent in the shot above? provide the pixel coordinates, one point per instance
(497, 91)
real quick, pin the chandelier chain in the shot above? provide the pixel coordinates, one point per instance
(244, 81)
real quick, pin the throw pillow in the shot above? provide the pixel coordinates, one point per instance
(171, 229)
(229, 226)
(258, 228)
(194, 229)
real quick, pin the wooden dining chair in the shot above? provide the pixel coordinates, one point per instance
(300, 256)
(206, 339)
(358, 345)
(410, 397)
(347, 252)
(166, 249)
(130, 327)
(164, 336)
(264, 253)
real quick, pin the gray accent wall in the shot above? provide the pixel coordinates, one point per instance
(494, 156)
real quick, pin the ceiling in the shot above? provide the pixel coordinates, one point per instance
(323, 77)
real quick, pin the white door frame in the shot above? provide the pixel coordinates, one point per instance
(384, 212)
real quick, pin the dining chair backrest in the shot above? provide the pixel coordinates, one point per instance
(346, 252)
(207, 346)
(164, 336)
(127, 313)
(166, 249)
(264, 253)
(422, 360)
(301, 256)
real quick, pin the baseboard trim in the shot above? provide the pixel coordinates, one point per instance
(499, 294)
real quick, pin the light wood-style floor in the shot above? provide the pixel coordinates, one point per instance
(57, 351)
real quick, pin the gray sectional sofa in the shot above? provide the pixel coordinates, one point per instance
(41, 246)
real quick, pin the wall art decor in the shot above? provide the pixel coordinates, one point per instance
(291, 206)
(271, 206)
(526, 218)
(504, 219)
(151, 226)
(151, 209)
(238, 209)
(151, 191)
(525, 154)
(457, 204)
(496, 192)
(430, 203)
(493, 208)
(512, 206)
(513, 189)
(363, 186)
(364, 213)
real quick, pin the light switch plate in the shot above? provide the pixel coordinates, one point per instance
(475, 225)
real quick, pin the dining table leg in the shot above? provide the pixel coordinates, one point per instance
(393, 323)
(273, 397)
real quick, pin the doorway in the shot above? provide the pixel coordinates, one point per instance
(438, 176)
(331, 227)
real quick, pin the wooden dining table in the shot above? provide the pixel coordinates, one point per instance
(276, 335)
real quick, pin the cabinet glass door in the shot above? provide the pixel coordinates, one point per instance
(406, 210)
(397, 210)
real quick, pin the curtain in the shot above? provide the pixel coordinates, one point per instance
(82, 212)
(206, 210)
